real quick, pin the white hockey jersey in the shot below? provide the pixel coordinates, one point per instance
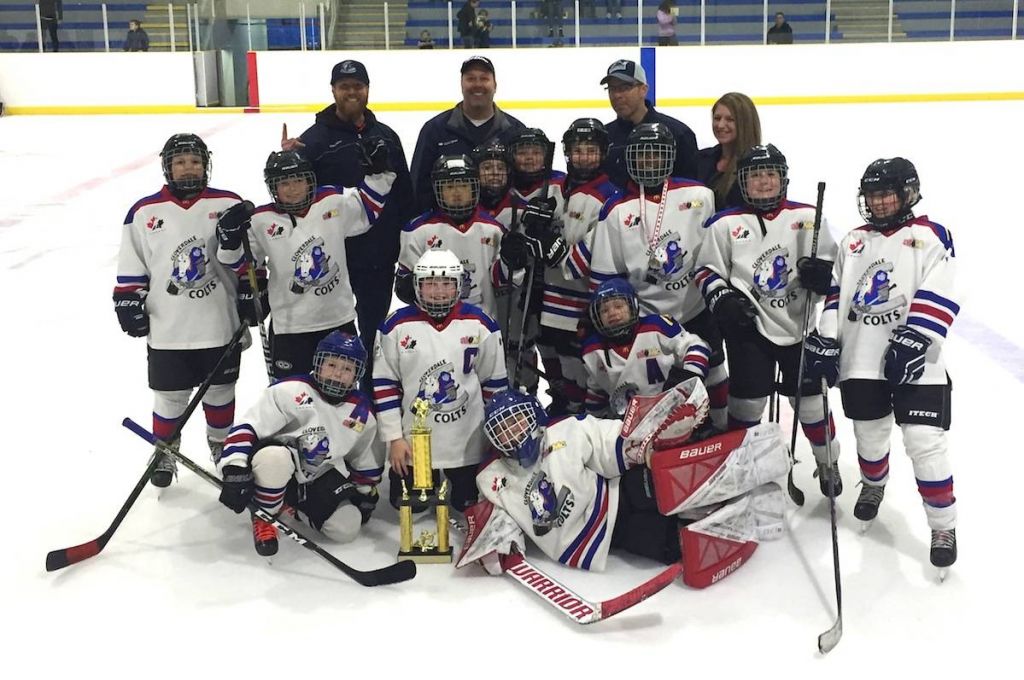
(885, 279)
(475, 242)
(655, 246)
(455, 365)
(639, 365)
(168, 255)
(756, 253)
(309, 285)
(321, 435)
(567, 502)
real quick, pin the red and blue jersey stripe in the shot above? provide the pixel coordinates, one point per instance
(581, 551)
(931, 312)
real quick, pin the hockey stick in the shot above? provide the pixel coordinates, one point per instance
(575, 606)
(250, 266)
(794, 492)
(393, 573)
(58, 559)
(830, 638)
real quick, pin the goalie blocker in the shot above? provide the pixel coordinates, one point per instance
(715, 498)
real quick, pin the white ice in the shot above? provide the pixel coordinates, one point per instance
(180, 590)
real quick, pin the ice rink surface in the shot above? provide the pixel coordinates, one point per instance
(180, 592)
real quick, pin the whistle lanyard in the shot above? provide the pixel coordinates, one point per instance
(653, 240)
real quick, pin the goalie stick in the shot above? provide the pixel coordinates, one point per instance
(393, 573)
(574, 606)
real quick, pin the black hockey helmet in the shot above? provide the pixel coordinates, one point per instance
(282, 165)
(185, 143)
(525, 138)
(757, 159)
(584, 130)
(452, 171)
(650, 154)
(890, 174)
(492, 164)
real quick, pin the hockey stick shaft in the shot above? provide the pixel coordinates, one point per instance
(394, 573)
(250, 267)
(830, 638)
(63, 557)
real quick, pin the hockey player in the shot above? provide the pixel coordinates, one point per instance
(746, 276)
(308, 444)
(886, 317)
(577, 487)
(450, 353)
(651, 234)
(460, 226)
(301, 237)
(630, 355)
(172, 290)
(495, 178)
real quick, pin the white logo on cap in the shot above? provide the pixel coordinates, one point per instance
(620, 65)
(347, 67)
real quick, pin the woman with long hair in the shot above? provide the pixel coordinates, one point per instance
(737, 128)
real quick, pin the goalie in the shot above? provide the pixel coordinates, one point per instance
(580, 486)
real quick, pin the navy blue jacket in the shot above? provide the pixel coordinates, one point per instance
(618, 131)
(450, 133)
(330, 147)
(707, 172)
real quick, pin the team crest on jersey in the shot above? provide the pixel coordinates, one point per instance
(435, 241)
(619, 399)
(189, 270)
(407, 343)
(688, 205)
(314, 448)
(275, 230)
(314, 269)
(548, 509)
(771, 272)
(154, 224)
(855, 247)
(630, 221)
(498, 483)
(874, 301)
(740, 233)
(445, 397)
(666, 260)
(303, 399)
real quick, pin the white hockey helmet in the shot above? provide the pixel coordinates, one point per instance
(441, 267)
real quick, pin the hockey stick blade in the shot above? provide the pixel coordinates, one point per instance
(393, 573)
(574, 606)
(828, 640)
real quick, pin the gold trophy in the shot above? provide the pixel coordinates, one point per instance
(430, 547)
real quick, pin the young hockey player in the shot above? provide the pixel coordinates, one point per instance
(309, 444)
(301, 238)
(579, 486)
(886, 317)
(651, 234)
(746, 276)
(172, 290)
(445, 351)
(630, 355)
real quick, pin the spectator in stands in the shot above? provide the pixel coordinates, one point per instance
(467, 23)
(666, 16)
(613, 6)
(781, 33)
(136, 40)
(627, 92)
(551, 10)
(737, 127)
(475, 121)
(426, 42)
(330, 145)
(51, 13)
(483, 29)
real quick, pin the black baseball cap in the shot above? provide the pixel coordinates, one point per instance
(476, 61)
(350, 68)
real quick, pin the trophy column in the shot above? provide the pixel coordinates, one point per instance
(430, 547)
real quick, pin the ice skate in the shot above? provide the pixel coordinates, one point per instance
(943, 550)
(866, 508)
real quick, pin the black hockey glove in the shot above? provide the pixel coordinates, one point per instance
(323, 496)
(514, 251)
(733, 311)
(236, 491)
(821, 358)
(905, 358)
(538, 215)
(246, 305)
(678, 375)
(373, 155)
(405, 288)
(233, 224)
(548, 247)
(131, 314)
(815, 274)
(366, 501)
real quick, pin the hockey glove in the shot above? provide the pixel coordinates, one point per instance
(365, 498)
(246, 305)
(821, 358)
(677, 375)
(131, 314)
(538, 215)
(547, 247)
(373, 156)
(733, 311)
(236, 490)
(323, 496)
(233, 224)
(815, 274)
(514, 251)
(405, 287)
(905, 358)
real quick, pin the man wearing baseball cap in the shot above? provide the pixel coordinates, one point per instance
(330, 145)
(626, 82)
(475, 121)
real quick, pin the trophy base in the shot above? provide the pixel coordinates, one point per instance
(432, 556)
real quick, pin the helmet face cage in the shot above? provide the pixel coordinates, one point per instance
(650, 155)
(584, 130)
(439, 266)
(180, 145)
(513, 425)
(338, 348)
(456, 173)
(607, 293)
(298, 206)
(535, 139)
(492, 166)
(754, 163)
(897, 175)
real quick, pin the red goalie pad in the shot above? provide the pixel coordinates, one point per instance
(678, 472)
(718, 545)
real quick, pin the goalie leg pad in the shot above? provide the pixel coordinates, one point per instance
(490, 533)
(718, 468)
(719, 544)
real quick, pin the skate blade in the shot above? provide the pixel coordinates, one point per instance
(865, 525)
(943, 572)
